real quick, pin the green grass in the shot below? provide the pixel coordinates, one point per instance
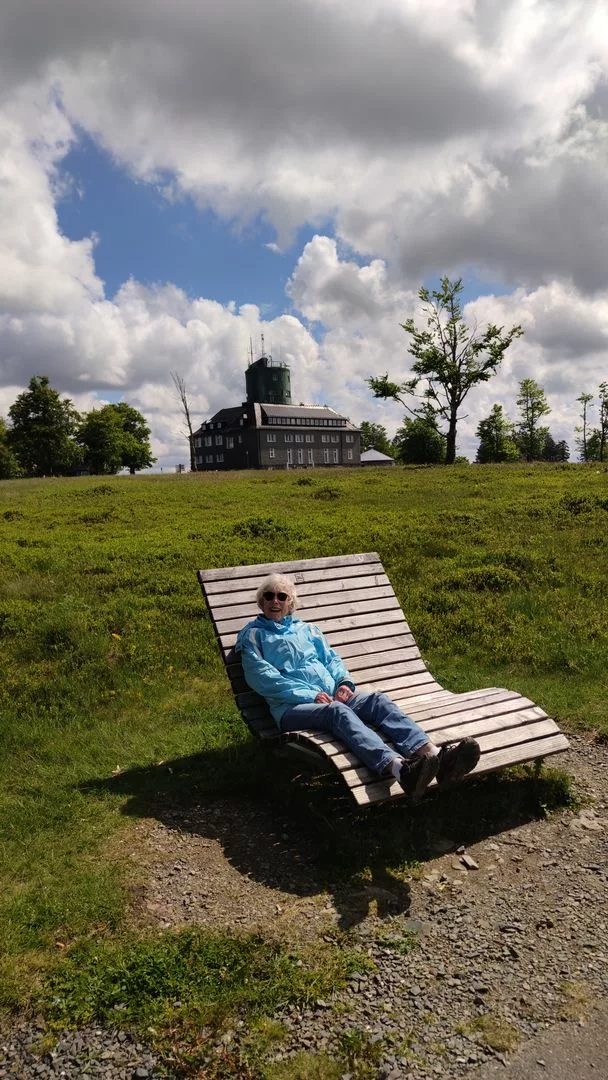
(182, 990)
(109, 664)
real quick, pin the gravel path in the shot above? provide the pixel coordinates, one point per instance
(510, 938)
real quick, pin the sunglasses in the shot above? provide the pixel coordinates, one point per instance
(271, 595)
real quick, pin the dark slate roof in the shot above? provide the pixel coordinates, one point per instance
(224, 416)
(303, 412)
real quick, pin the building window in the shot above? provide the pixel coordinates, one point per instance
(271, 437)
(348, 438)
(300, 457)
(349, 455)
(208, 440)
(299, 438)
(219, 440)
(335, 457)
(209, 459)
(288, 437)
(335, 438)
(324, 438)
(326, 457)
(311, 459)
(310, 438)
(219, 457)
(230, 442)
(290, 457)
(271, 453)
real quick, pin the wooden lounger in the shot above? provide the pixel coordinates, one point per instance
(352, 601)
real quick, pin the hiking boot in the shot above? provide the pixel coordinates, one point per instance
(416, 775)
(455, 760)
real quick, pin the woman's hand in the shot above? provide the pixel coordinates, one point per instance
(322, 698)
(343, 694)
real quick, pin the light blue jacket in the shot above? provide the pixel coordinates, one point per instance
(289, 662)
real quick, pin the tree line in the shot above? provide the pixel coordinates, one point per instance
(450, 358)
(46, 436)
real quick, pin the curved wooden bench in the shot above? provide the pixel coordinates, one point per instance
(352, 601)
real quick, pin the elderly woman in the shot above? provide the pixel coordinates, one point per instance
(307, 687)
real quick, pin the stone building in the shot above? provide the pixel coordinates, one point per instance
(269, 432)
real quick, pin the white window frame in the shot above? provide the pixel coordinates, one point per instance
(324, 438)
(300, 457)
(271, 452)
(288, 437)
(208, 440)
(219, 457)
(219, 440)
(311, 457)
(336, 456)
(349, 455)
(271, 436)
(326, 456)
(230, 442)
(348, 438)
(310, 438)
(209, 459)
(290, 457)
(299, 438)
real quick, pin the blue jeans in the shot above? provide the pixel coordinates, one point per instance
(357, 725)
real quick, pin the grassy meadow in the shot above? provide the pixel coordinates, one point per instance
(109, 663)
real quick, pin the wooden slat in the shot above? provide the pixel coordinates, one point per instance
(353, 650)
(229, 573)
(518, 755)
(216, 589)
(324, 616)
(312, 608)
(307, 591)
(381, 662)
(354, 628)
(425, 712)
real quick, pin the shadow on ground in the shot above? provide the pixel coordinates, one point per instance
(299, 832)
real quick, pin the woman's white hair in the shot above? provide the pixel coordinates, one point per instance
(278, 583)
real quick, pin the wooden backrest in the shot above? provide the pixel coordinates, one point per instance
(349, 597)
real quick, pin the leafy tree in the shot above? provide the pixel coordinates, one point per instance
(597, 442)
(532, 405)
(374, 437)
(101, 438)
(496, 438)
(554, 451)
(581, 443)
(115, 437)
(450, 358)
(41, 434)
(418, 441)
(9, 466)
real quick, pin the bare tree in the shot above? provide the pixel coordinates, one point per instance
(182, 393)
(581, 444)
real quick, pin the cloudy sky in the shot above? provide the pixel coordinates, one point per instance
(177, 178)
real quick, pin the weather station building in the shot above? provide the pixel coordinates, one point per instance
(269, 432)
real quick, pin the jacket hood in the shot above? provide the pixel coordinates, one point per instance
(280, 626)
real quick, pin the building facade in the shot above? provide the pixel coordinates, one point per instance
(275, 434)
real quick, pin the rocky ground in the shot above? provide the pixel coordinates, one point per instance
(490, 945)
